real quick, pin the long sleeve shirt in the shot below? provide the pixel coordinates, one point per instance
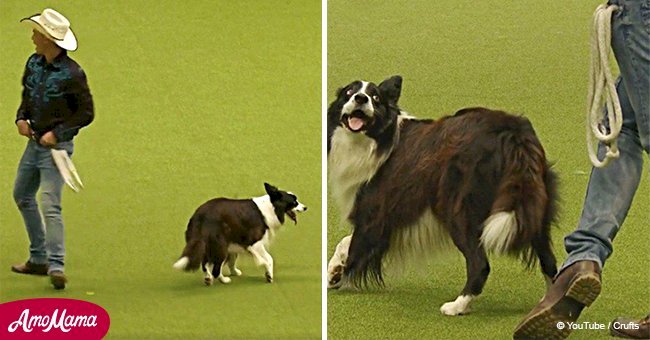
(55, 97)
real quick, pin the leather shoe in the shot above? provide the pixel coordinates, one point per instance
(30, 268)
(58, 279)
(631, 329)
(576, 287)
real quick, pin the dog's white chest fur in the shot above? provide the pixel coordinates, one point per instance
(352, 161)
(268, 211)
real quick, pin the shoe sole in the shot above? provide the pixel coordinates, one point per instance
(585, 289)
(582, 292)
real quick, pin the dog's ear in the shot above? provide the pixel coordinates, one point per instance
(334, 114)
(339, 91)
(391, 89)
(272, 191)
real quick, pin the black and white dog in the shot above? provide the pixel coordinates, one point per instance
(222, 228)
(479, 178)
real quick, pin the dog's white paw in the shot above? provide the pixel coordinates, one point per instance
(458, 307)
(224, 279)
(336, 266)
(452, 308)
(235, 272)
(269, 278)
(335, 276)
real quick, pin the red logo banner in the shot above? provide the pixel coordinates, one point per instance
(53, 318)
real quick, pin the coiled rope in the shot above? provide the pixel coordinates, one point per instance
(602, 90)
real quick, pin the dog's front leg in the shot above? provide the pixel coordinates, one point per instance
(262, 258)
(336, 265)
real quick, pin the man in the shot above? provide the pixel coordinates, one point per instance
(610, 190)
(56, 103)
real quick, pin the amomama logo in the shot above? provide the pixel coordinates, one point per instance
(53, 319)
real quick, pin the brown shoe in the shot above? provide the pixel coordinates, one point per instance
(30, 268)
(574, 288)
(58, 279)
(631, 329)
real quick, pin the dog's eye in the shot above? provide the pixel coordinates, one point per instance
(349, 93)
(375, 98)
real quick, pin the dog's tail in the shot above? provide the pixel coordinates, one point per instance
(195, 248)
(526, 199)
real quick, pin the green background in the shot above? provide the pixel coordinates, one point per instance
(528, 57)
(193, 100)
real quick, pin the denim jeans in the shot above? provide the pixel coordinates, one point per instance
(611, 189)
(37, 170)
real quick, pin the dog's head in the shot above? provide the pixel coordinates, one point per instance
(364, 107)
(284, 203)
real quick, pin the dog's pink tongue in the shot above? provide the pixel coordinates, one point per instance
(355, 123)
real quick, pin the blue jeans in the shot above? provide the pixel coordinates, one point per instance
(37, 170)
(611, 189)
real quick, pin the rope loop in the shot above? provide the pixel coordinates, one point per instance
(602, 91)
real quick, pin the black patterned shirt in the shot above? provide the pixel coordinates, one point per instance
(55, 97)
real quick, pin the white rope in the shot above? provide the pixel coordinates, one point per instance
(602, 90)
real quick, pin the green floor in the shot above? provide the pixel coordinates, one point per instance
(204, 98)
(193, 100)
(528, 57)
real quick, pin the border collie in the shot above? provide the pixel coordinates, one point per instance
(222, 228)
(479, 178)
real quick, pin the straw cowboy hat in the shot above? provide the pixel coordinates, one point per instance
(55, 27)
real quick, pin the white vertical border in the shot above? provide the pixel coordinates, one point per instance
(324, 168)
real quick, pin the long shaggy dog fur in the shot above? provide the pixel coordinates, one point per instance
(479, 176)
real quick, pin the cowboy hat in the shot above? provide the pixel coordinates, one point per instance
(55, 27)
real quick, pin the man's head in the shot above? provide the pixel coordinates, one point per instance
(43, 43)
(51, 30)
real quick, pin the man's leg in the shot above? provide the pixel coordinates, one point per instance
(51, 189)
(611, 189)
(631, 45)
(25, 188)
(609, 195)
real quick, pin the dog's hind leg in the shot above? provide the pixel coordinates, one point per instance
(208, 273)
(220, 261)
(216, 270)
(218, 255)
(232, 259)
(478, 270)
(219, 273)
(542, 247)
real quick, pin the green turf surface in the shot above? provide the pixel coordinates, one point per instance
(527, 57)
(193, 100)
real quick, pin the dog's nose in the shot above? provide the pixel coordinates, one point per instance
(304, 208)
(361, 98)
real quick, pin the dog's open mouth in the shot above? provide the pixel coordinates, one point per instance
(356, 121)
(292, 216)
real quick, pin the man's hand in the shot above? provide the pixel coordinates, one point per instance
(24, 129)
(48, 139)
